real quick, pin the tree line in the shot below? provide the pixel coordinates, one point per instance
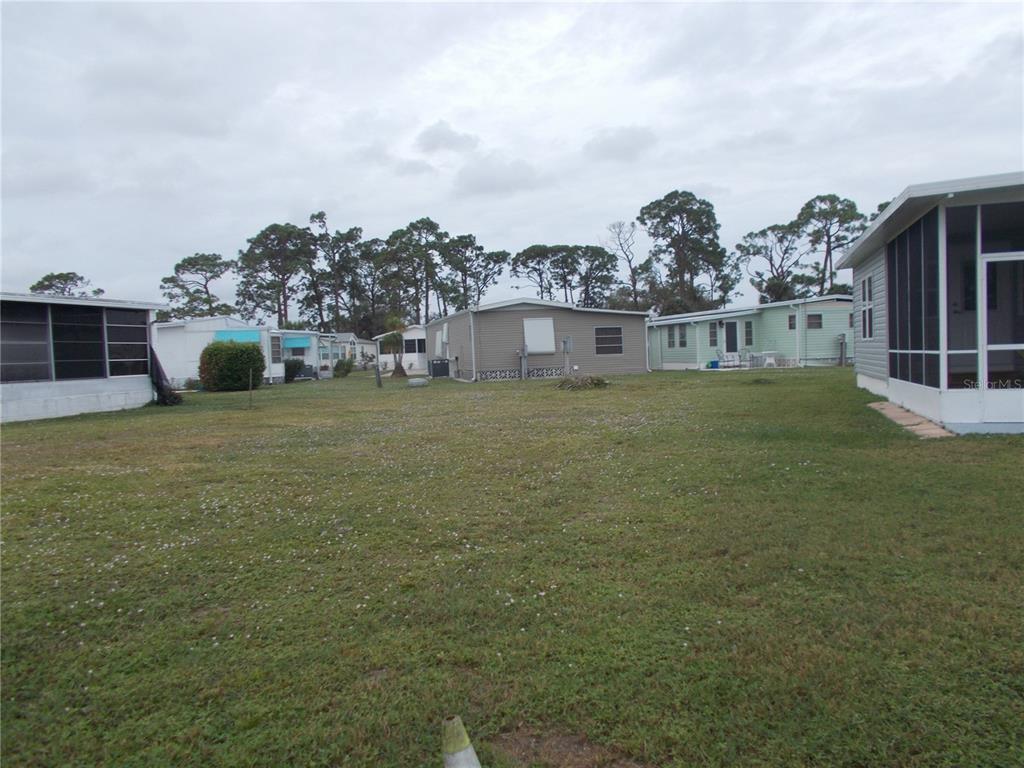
(338, 280)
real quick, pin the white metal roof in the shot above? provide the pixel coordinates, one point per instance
(915, 201)
(242, 324)
(95, 301)
(725, 314)
(405, 330)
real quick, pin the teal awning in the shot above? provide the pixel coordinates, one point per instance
(240, 336)
(296, 342)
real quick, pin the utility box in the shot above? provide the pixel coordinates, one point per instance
(438, 368)
(567, 345)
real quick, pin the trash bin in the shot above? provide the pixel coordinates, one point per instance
(439, 369)
(713, 364)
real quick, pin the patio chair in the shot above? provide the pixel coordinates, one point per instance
(728, 359)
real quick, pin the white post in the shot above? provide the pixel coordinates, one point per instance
(943, 304)
(981, 305)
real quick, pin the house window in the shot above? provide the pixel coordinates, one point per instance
(127, 342)
(713, 333)
(24, 342)
(410, 346)
(792, 322)
(748, 333)
(299, 352)
(671, 337)
(608, 340)
(867, 310)
(813, 322)
(682, 335)
(275, 349)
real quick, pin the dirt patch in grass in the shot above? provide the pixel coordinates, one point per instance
(526, 747)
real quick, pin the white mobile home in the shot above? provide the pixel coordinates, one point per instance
(939, 301)
(414, 358)
(180, 343)
(63, 355)
(349, 346)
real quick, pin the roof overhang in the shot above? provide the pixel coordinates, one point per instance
(531, 302)
(92, 301)
(915, 201)
(725, 314)
(700, 317)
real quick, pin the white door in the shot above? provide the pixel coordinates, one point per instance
(1002, 374)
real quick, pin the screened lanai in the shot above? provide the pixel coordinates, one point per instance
(939, 291)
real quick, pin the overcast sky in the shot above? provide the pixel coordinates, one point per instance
(137, 134)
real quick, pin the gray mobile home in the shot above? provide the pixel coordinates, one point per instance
(939, 302)
(531, 338)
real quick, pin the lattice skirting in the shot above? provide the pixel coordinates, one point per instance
(546, 373)
(501, 373)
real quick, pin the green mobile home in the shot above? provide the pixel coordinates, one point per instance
(817, 331)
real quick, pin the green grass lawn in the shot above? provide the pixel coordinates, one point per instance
(682, 569)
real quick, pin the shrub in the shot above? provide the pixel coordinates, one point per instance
(225, 365)
(343, 367)
(192, 384)
(581, 382)
(292, 367)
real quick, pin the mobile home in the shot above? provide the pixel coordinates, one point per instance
(63, 355)
(939, 301)
(815, 331)
(532, 338)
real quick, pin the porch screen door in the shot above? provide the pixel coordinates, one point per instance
(1003, 338)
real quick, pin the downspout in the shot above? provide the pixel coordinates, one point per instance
(647, 344)
(268, 349)
(472, 343)
(800, 350)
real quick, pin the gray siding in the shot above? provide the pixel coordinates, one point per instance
(459, 352)
(872, 358)
(499, 333)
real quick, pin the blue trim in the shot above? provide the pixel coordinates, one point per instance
(245, 337)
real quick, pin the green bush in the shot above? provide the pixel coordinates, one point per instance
(343, 367)
(292, 367)
(225, 365)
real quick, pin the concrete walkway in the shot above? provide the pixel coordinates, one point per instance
(919, 425)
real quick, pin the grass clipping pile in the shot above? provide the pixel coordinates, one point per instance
(581, 382)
